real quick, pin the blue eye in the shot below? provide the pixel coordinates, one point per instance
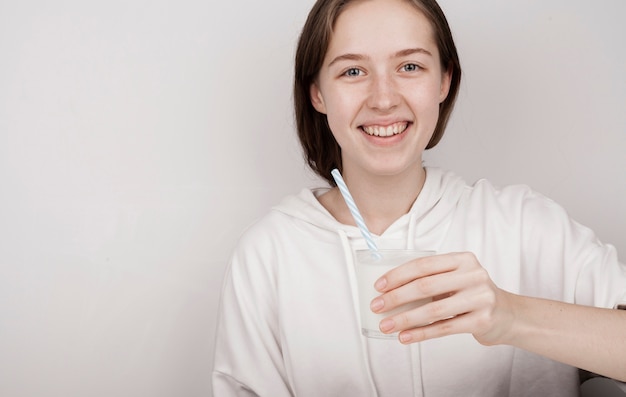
(411, 67)
(353, 72)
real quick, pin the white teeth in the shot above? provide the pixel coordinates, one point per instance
(390, 130)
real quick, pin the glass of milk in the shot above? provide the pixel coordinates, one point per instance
(369, 267)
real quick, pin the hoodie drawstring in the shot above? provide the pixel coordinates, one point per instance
(349, 261)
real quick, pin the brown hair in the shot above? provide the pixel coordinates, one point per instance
(321, 151)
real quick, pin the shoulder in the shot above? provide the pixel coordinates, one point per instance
(483, 191)
(516, 205)
(260, 235)
(257, 249)
(541, 220)
(518, 198)
(286, 223)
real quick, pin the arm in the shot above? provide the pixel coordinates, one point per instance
(585, 337)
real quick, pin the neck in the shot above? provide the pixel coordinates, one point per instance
(380, 199)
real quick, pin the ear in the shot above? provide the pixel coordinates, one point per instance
(446, 80)
(317, 100)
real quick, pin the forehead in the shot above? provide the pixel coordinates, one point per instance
(381, 26)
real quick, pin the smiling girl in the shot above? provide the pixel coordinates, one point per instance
(522, 295)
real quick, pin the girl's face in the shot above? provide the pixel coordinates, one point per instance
(380, 86)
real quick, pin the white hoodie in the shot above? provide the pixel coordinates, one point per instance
(288, 323)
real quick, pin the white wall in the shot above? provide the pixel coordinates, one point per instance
(138, 139)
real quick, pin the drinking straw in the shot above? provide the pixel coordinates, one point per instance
(354, 211)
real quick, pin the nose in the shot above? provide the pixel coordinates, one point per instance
(384, 94)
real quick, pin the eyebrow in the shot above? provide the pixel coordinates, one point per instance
(399, 54)
(412, 51)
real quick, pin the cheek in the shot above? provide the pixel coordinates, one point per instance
(426, 99)
(341, 127)
(341, 111)
(338, 127)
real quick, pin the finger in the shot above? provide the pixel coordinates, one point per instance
(429, 313)
(475, 310)
(456, 325)
(437, 287)
(417, 268)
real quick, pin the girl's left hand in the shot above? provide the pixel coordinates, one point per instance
(464, 300)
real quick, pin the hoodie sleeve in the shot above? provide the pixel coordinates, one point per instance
(248, 357)
(565, 260)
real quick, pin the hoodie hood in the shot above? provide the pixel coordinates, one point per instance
(438, 199)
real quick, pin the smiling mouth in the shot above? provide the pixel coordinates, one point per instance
(384, 131)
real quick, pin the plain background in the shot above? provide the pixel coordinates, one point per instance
(139, 138)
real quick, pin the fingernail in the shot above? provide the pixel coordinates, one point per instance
(380, 284)
(405, 337)
(387, 325)
(377, 304)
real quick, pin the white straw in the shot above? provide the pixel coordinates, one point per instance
(354, 210)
